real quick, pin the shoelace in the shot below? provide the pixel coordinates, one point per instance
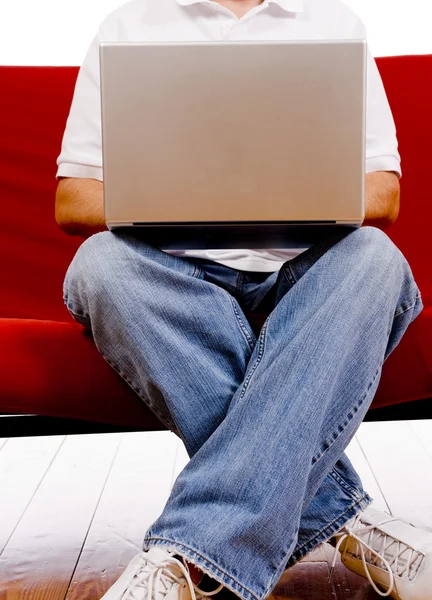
(359, 527)
(152, 575)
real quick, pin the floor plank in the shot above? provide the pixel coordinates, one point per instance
(181, 460)
(423, 431)
(304, 581)
(344, 584)
(39, 558)
(23, 464)
(309, 580)
(403, 468)
(370, 483)
(135, 493)
(349, 586)
(92, 505)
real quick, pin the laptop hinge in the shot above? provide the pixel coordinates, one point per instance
(120, 224)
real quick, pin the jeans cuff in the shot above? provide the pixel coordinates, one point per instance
(202, 562)
(330, 530)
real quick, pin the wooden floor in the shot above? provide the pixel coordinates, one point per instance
(74, 509)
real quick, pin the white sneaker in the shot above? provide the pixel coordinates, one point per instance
(393, 554)
(156, 575)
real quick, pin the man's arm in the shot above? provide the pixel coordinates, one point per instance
(79, 203)
(79, 206)
(381, 199)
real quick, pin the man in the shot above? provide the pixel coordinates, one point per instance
(265, 421)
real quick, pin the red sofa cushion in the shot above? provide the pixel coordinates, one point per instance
(408, 83)
(407, 373)
(34, 252)
(53, 368)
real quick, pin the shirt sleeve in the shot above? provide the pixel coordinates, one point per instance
(81, 151)
(381, 141)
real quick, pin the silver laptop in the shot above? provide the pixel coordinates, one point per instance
(233, 144)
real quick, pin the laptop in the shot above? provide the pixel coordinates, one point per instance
(256, 144)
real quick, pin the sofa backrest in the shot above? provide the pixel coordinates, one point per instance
(34, 253)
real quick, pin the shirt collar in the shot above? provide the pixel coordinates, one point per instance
(294, 6)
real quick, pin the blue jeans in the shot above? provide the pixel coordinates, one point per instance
(265, 420)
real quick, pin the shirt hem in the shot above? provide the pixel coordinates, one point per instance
(383, 163)
(79, 171)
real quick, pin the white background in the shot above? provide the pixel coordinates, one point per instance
(58, 32)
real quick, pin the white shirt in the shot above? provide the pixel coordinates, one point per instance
(202, 20)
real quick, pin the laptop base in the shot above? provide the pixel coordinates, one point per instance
(212, 236)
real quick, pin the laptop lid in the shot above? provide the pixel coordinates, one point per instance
(233, 132)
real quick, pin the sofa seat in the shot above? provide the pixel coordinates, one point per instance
(54, 369)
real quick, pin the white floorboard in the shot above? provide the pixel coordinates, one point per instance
(134, 495)
(393, 459)
(398, 454)
(370, 483)
(23, 465)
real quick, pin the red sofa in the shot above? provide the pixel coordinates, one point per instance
(49, 366)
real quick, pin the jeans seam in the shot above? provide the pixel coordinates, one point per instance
(344, 484)
(170, 424)
(240, 283)
(405, 310)
(288, 274)
(84, 316)
(241, 323)
(71, 310)
(261, 347)
(198, 273)
(335, 435)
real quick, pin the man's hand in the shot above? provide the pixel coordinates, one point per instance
(381, 199)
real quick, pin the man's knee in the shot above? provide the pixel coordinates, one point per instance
(91, 265)
(375, 248)
(373, 236)
(382, 264)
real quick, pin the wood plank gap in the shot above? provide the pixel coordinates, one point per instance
(374, 475)
(173, 475)
(134, 497)
(33, 494)
(182, 459)
(423, 431)
(356, 456)
(403, 467)
(42, 553)
(93, 515)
